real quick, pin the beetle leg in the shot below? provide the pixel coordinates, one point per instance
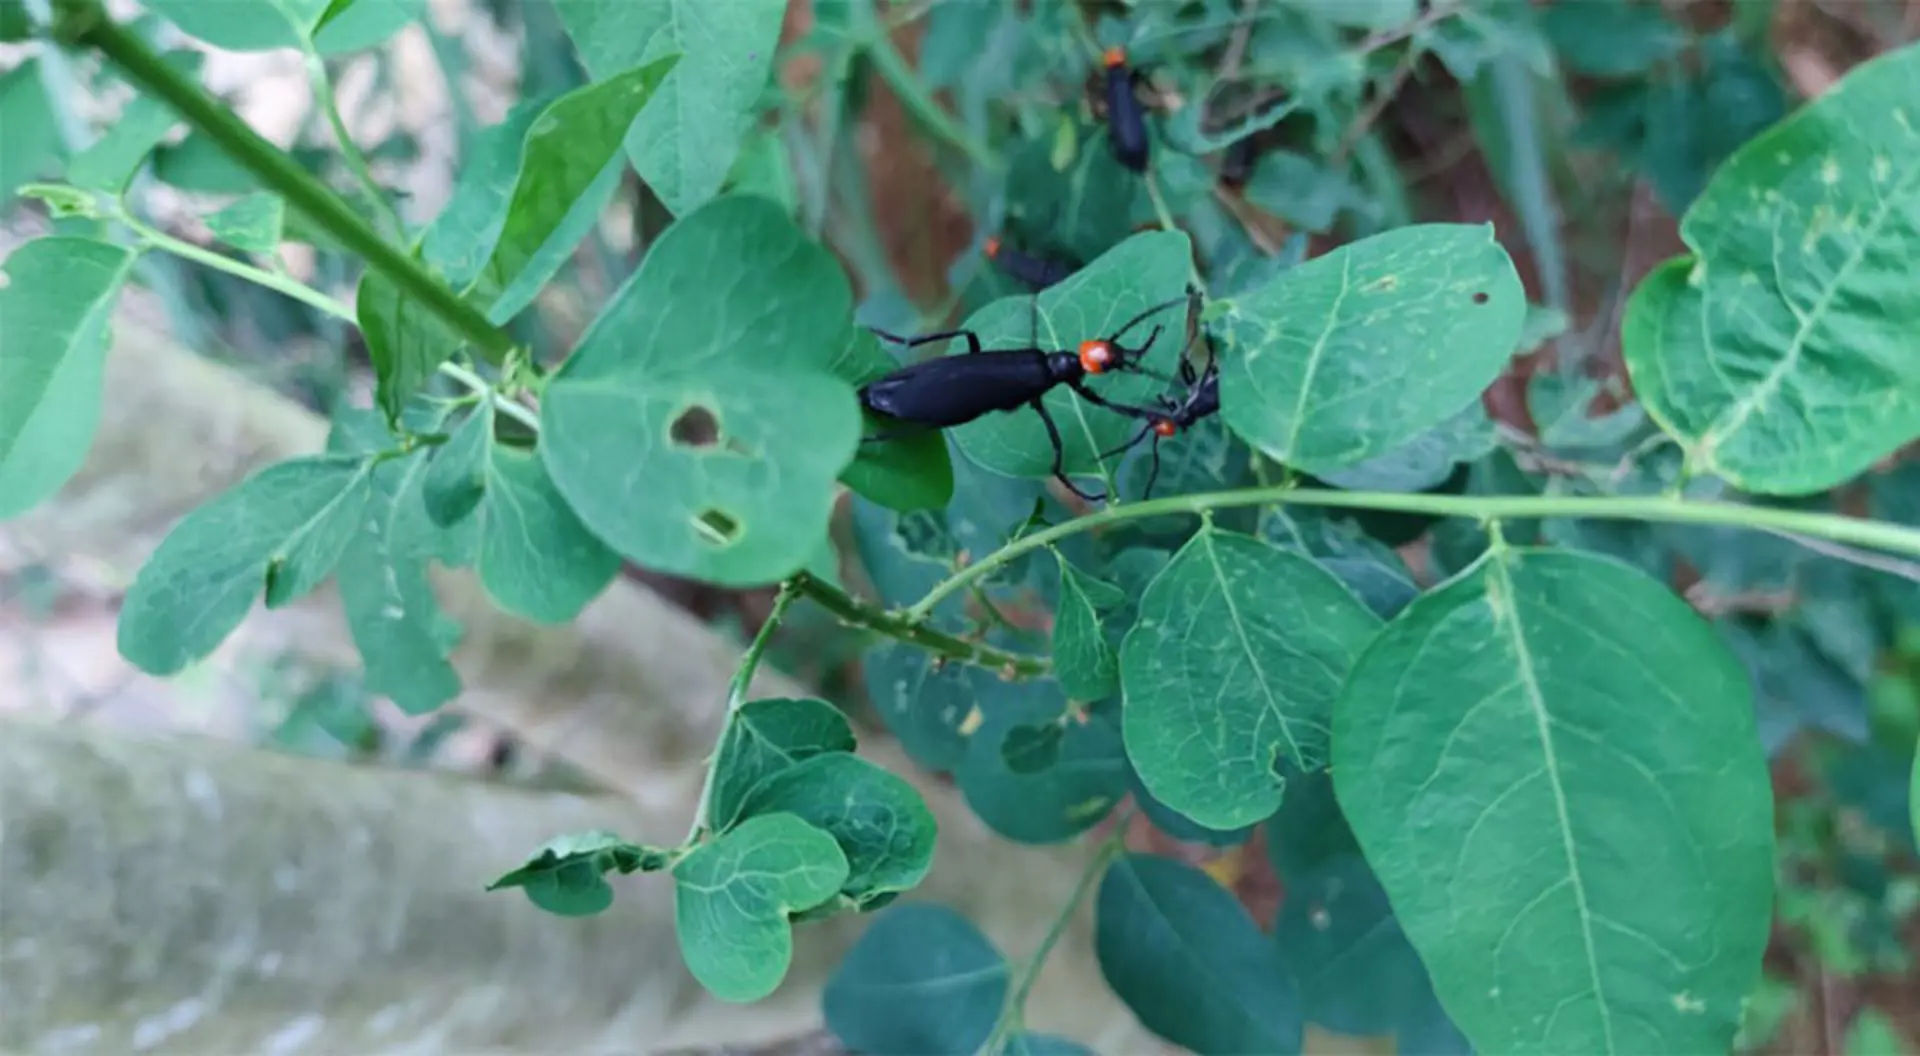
(1059, 452)
(1153, 474)
(973, 339)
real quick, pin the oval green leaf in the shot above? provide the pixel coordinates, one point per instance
(536, 559)
(56, 311)
(1084, 782)
(1781, 353)
(908, 472)
(1551, 764)
(1237, 657)
(1083, 660)
(921, 980)
(1191, 963)
(279, 532)
(764, 738)
(697, 427)
(1350, 355)
(882, 825)
(1145, 270)
(732, 898)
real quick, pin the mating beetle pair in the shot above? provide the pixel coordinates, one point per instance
(947, 391)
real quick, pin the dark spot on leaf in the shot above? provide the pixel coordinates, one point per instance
(1480, 297)
(695, 427)
(717, 528)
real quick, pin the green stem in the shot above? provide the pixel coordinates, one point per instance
(312, 298)
(349, 151)
(1013, 1013)
(737, 697)
(1855, 530)
(914, 631)
(86, 23)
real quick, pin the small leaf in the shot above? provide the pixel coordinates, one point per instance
(391, 610)
(732, 898)
(684, 147)
(253, 25)
(1372, 570)
(1221, 682)
(1145, 270)
(908, 472)
(405, 341)
(764, 738)
(921, 980)
(34, 146)
(762, 169)
(567, 875)
(1351, 354)
(1778, 353)
(1033, 749)
(112, 160)
(456, 477)
(281, 531)
(56, 308)
(695, 427)
(1085, 663)
(252, 224)
(536, 559)
(462, 238)
(1190, 962)
(357, 25)
(882, 825)
(567, 150)
(1487, 747)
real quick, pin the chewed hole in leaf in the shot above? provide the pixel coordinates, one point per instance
(696, 426)
(1481, 297)
(716, 527)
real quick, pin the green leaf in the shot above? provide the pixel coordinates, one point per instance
(567, 150)
(1372, 570)
(1145, 270)
(1358, 975)
(280, 531)
(922, 705)
(536, 559)
(764, 738)
(1083, 660)
(1190, 962)
(462, 238)
(395, 619)
(762, 169)
(882, 825)
(356, 25)
(1027, 1043)
(1488, 750)
(197, 163)
(1303, 191)
(111, 161)
(56, 308)
(1032, 749)
(1048, 806)
(1778, 353)
(405, 341)
(732, 898)
(695, 427)
(1221, 682)
(456, 477)
(1425, 461)
(922, 979)
(567, 874)
(1612, 38)
(1358, 14)
(33, 140)
(905, 473)
(1351, 354)
(684, 147)
(252, 224)
(244, 25)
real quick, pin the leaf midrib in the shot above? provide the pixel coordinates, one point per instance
(1508, 616)
(1319, 354)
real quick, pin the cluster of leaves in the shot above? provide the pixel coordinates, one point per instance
(1464, 788)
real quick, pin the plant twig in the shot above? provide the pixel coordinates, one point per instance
(1013, 1013)
(737, 697)
(914, 631)
(1858, 531)
(86, 23)
(349, 151)
(312, 298)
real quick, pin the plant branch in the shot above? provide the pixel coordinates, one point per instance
(1013, 1013)
(1858, 531)
(737, 698)
(349, 151)
(913, 630)
(86, 23)
(312, 298)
